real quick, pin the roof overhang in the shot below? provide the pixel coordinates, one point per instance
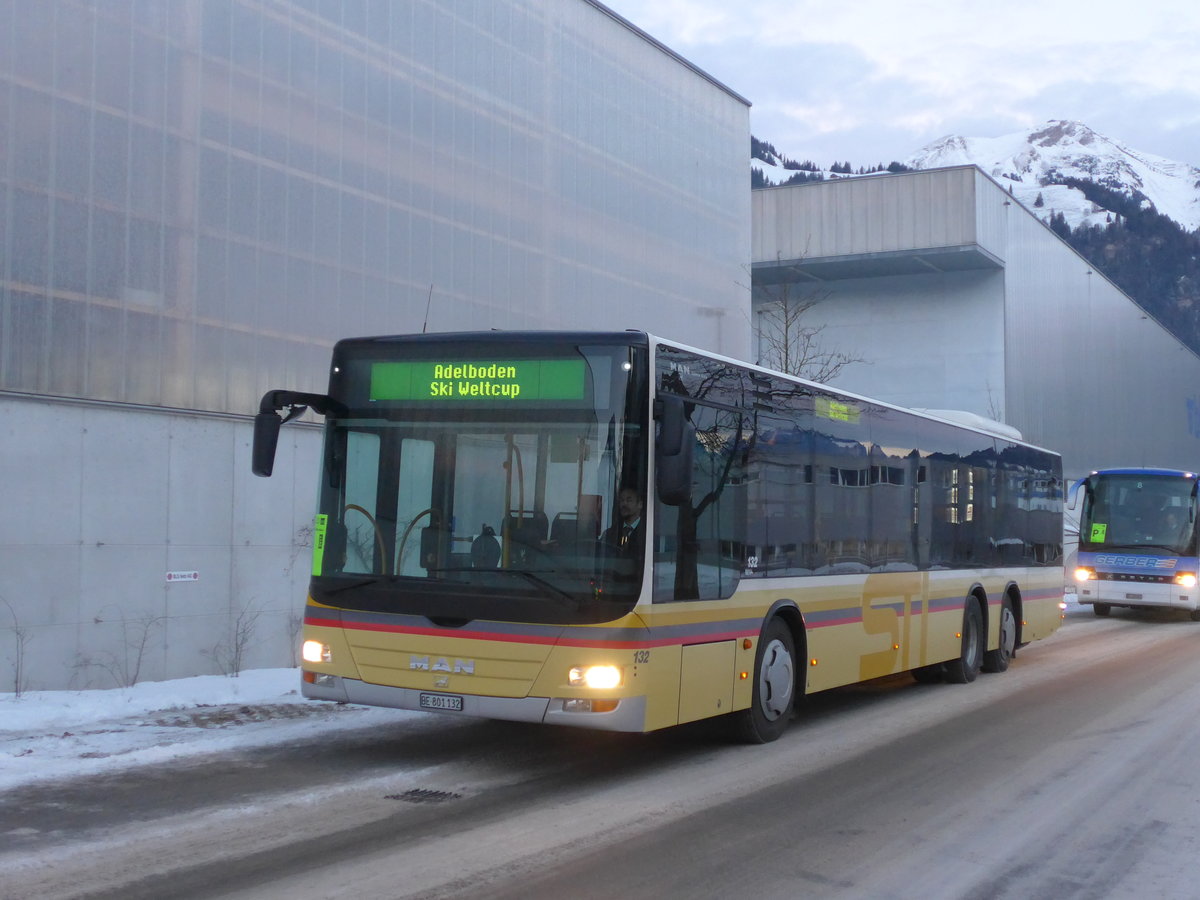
(921, 261)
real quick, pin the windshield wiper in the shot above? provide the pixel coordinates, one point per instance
(536, 580)
(357, 583)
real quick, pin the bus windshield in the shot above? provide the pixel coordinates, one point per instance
(461, 486)
(1149, 512)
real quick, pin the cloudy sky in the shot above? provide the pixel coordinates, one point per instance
(875, 80)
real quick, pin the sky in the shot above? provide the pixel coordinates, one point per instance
(876, 80)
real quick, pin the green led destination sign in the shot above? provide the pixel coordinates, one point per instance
(500, 382)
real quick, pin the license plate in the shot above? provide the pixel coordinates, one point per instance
(441, 701)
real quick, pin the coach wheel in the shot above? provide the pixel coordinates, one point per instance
(1101, 609)
(997, 660)
(966, 667)
(774, 686)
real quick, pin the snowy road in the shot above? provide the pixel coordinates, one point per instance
(1073, 775)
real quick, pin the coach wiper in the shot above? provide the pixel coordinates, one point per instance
(268, 421)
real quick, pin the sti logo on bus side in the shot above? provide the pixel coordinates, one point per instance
(1136, 562)
(441, 664)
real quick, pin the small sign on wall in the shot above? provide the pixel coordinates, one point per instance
(182, 576)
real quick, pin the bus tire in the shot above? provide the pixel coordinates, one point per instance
(964, 669)
(774, 694)
(1006, 646)
(1101, 609)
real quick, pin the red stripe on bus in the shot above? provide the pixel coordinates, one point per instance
(704, 638)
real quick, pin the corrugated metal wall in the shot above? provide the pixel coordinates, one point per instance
(211, 193)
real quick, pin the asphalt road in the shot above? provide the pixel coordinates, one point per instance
(1072, 775)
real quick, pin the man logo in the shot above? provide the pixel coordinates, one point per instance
(441, 664)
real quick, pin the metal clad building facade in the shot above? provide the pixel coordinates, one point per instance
(197, 198)
(957, 297)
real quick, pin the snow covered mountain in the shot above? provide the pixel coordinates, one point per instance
(1037, 162)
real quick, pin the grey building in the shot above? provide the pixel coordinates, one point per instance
(957, 297)
(197, 198)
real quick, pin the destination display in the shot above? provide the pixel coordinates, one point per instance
(506, 381)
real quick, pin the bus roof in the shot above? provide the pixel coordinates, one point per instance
(635, 337)
(937, 415)
(1144, 470)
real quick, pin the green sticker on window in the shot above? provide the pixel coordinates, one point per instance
(1098, 533)
(320, 524)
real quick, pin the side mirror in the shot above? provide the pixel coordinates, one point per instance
(266, 437)
(1073, 497)
(673, 453)
(268, 420)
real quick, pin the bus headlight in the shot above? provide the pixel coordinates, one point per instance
(1085, 573)
(315, 652)
(1186, 579)
(599, 677)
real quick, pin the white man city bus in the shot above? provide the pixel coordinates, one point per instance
(793, 538)
(1137, 540)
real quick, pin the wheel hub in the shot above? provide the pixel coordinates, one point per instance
(775, 680)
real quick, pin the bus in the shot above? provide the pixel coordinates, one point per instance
(1137, 540)
(793, 538)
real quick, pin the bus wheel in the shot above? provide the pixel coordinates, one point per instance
(966, 667)
(997, 660)
(774, 686)
(1101, 609)
(1195, 614)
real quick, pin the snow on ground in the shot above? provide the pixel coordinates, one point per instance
(62, 734)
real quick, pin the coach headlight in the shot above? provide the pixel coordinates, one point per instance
(1186, 579)
(315, 652)
(599, 677)
(1085, 573)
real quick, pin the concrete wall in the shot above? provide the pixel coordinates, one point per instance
(857, 216)
(85, 549)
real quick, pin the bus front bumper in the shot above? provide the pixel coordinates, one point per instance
(1147, 595)
(630, 714)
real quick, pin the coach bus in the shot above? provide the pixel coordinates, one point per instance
(473, 552)
(1137, 540)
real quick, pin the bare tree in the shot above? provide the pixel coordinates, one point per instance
(124, 665)
(787, 339)
(230, 654)
(21, 641)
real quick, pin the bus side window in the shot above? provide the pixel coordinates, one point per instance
(700, 545)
